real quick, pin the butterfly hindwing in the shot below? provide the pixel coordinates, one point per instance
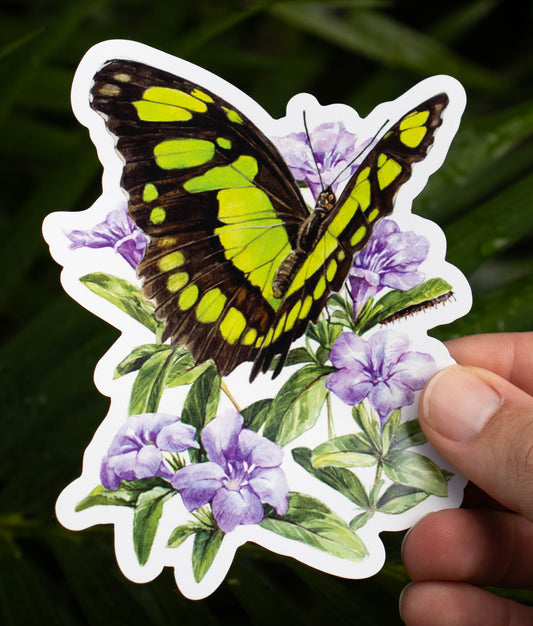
(223, 212)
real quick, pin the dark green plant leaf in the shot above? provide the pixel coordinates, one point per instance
(415, 470)
(407, 435)
(254, 416)
(491, 234)
(122, 294)
(149, 384)
(389, 42)
(298, 404)
(400, 498)
(206, 545)
(296, 356)
(137, 357)
(182, 370)
(148, 511)
(127, 494)
(340, 479)
(181, 533)
(201, 403)
(311, 522)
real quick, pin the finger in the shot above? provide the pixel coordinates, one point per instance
(510, 355)
(453, 604)
(477, 546)
(484, 426)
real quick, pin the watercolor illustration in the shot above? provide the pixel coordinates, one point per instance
(274, 292)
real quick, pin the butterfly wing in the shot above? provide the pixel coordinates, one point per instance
(223, 211)
(219, 204)
(369, 195)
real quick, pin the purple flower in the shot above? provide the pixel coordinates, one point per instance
(117, 231)
(382, 369)
(243, 471)
(334, 147)
(390, 259)
(137, 451)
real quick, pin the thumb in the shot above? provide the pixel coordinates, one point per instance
(483, 425)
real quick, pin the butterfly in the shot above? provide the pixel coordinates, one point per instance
(237, 265)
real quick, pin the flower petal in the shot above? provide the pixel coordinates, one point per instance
(108, 476)
(198, 483)
(351, 352)
(271, 487)
(232, 508)
(220, 437)
(257, 450)
(147, 462)
(177, 437)
(349, 387)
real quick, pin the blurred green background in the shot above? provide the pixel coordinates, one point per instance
(360, 52)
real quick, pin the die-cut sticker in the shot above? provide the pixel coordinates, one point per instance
(273, 291)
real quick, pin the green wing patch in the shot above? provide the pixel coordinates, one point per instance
(224, 213)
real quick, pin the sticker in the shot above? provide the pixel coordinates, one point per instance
(264, 387)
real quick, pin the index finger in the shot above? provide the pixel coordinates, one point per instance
(510, 355)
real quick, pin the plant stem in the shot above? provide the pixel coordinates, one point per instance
(225, 389)
(331, 425)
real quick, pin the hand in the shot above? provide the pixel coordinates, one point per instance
(481, 420)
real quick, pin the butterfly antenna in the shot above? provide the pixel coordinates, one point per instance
(313, 153)
(362, 151)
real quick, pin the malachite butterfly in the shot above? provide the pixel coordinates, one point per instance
(237, 264)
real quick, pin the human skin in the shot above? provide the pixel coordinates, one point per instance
(478, 415)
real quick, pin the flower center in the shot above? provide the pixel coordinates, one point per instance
(237, 476)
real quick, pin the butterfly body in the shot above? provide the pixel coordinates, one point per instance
(236, 264)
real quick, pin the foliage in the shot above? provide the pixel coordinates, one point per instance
(481, 197)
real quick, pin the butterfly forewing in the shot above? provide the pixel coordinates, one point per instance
(223, 212)
(369, 195)
(221, 208)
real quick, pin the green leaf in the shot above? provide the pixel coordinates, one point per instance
(182, 369)
(407, 435)
(312, 523)
(181, 533)
(127, 493)
(400, 498)
(489, 232)
(369, 424)
(360, 520)
(342, 480)
(298, 404)
(398, 302)
(507, 308)
(354, 450)
(390, 428)
(146, 518)
(205, 548)
(137, 357)
(149, 384)
(201, 403)
(389, 42)
(124, 295)
(374, 492)
(296, 356)
(415, 470)
(255, 415)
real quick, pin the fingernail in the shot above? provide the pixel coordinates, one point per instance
(458, 404)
